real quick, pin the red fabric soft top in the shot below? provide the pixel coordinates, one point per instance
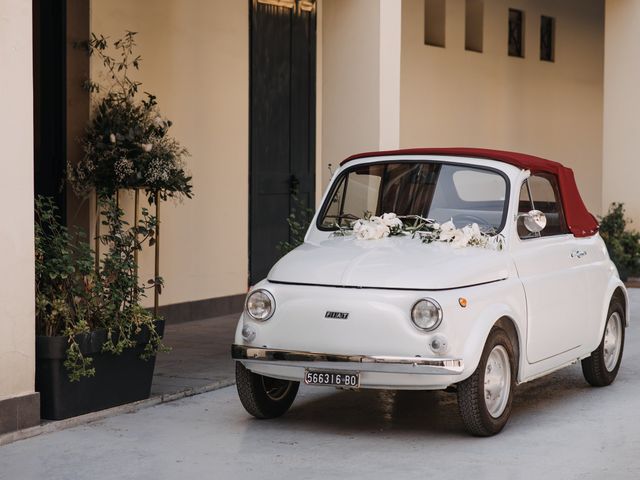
(580, 222)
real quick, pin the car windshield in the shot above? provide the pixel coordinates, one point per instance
(439, 191)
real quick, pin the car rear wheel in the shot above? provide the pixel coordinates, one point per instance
(601, 367)
(264, 397)
(484, 399)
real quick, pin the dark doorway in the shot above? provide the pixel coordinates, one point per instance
(282, 123)
(49, 99)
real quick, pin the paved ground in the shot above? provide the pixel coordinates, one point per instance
(200, 355)
(561, 429)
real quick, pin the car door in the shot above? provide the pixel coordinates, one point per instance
(552, 268)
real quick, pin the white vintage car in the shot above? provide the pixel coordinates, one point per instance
(474, 269)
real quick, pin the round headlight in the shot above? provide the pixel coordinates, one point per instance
(260, 305)
(426, 314)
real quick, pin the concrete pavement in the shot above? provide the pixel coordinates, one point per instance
(561, 429)
(199, 356)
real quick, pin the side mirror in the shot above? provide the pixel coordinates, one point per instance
(534, 220)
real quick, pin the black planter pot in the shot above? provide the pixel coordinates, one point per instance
(119, 379)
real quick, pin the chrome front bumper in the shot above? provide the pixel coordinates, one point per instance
(368, 363)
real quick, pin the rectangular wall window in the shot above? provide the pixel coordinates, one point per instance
(516, 33)
(434, 19)
(474, 21)
(547, 38)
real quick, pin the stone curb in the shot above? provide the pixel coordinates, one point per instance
(56, 426)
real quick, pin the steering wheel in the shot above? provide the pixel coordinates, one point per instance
(464, 219)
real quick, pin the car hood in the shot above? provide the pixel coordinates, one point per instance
(393, 262)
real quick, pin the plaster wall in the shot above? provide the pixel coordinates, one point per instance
(454, 97)
(17, 314)
(360, 78)
(621, 170)
(196, 61)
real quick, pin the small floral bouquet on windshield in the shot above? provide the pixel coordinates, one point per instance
(372, 227)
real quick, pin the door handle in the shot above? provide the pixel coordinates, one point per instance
(578, 253)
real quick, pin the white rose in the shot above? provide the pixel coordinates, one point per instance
(475, 230)
(372, 229)
(112, 138)
(447, 231)
(382, 231)
(146, 147)
(391, 220)
(460, 240)
(357, 226)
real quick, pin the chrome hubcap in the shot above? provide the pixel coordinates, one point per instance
(612, 341)
(275, 389)
(497, 381)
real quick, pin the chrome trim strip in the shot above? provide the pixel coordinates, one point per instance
(387, 363)
(358, 287)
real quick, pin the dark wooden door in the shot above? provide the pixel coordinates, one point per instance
(282, 124)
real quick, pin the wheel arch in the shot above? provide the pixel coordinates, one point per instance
(507, 324)
(615, 290)
(503, 317)
(620, 293)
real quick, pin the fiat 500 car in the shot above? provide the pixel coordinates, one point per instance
(473, 270)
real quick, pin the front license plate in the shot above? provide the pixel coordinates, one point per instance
(334, 379)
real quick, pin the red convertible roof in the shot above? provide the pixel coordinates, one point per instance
(580, 222)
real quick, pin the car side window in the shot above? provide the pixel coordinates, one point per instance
(541, 192)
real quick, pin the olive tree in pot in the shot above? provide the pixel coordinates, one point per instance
(96, 343)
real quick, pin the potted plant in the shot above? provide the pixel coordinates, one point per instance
(96, 344)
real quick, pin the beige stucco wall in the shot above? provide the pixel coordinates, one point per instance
(621, 169)
(453, 97)
(360, 78)
(196, 59)
(350, 80)
(17, 324)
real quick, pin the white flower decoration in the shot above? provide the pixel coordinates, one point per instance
(372, 229)
(447, 231)
(112, 138)
(146, 147)
(392, 221)
(377, 227)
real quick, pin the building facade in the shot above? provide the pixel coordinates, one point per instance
(270, 95)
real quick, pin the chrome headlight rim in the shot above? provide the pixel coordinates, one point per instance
(271, 298)
(438, 308)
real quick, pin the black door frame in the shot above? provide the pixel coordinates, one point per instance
(50, 100)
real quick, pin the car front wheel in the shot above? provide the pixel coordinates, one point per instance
(484, 399)
(264, 397)
(601, 367)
